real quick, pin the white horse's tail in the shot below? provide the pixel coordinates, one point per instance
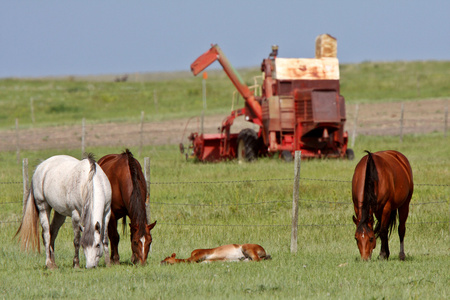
(28, 231)
(88, 195)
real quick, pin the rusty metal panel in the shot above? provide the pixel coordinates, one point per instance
(306, 68)
(325, 106)
(287, 113)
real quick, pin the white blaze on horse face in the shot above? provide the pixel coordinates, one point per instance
(143, 246)
(94, 252)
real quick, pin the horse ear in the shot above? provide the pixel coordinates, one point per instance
(97, 226)
(150, 227)
(355, 220)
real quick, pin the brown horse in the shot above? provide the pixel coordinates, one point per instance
(232, 252)
(129, 192)
(382, 185)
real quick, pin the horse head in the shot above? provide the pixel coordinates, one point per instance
(92, 245)
(169, 260)
(365, 237)
(141, 241)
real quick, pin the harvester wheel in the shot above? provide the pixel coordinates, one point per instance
(247, 145)
(350, 154)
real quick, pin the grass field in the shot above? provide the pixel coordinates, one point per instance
(206, 205)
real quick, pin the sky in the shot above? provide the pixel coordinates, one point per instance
(92, 37)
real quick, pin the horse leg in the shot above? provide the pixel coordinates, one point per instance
(106, 239)
(114, 239)
(402, 215)
(44, 218)
(57, 222)
(76, 238)
(384, 233)
(249, 251)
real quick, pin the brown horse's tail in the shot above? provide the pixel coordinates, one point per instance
(370, 195)
(28, 231)
(137, 204)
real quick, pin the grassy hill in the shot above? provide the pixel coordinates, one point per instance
(57, 101)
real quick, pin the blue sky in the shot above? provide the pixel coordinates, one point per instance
(47, 38)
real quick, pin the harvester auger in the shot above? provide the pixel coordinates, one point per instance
(300, 109)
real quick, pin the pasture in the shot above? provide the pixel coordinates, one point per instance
(206, 205)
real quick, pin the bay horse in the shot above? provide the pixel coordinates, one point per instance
(382, 185)
(129, 193)
(72, 188)
(231, 252)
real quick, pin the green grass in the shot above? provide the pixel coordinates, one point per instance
(58, 102)
(326, 265)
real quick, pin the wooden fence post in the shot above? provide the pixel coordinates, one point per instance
(295, 198)
(147, 180)
(25, 181)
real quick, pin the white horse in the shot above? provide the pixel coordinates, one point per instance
(73, 188)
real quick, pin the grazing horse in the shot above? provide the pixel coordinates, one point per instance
(129, 192)
(382, 185)
(72, 188)
(232, 252)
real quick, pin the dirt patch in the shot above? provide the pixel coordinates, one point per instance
(372, 119)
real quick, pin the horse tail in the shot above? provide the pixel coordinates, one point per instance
(28, 231)
(137, 206)
(392, 221)
(370, 196)
(88, 195)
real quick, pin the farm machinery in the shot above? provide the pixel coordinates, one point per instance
(299, 108)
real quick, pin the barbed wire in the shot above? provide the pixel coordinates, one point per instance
(258, 225)
(257, 203)
(252, 180)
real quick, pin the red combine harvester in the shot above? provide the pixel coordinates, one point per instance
(300, 109)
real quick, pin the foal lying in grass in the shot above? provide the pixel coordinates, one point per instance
(232, 252)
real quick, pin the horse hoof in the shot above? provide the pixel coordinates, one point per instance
(402, 256)
(52, 266)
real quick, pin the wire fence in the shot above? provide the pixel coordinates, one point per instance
(227, 182)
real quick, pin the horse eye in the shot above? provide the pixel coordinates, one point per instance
(97, 246)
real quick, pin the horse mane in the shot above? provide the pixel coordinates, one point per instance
(137, 208)
(87, 237)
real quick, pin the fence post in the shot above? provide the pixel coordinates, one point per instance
(83, 135)
(147, 180)
(354, 124)
(295, 198)
(25, 181)
(401, 124)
